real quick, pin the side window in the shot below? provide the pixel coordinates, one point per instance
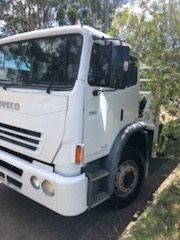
(132, 72)
(99, 71)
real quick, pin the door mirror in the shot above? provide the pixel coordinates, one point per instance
(119, 66)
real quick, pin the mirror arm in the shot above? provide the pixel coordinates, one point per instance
(107, 39)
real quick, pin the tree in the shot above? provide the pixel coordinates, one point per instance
(86, 11)
(28, 15)
(22, 16)
(153, 31)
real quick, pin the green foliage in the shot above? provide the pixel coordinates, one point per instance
(86, 11)
(154, 34)
(170, 140)
(28, 15)
(22, 16)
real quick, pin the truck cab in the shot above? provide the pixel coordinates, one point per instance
(70, 136)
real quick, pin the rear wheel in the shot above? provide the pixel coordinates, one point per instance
(129, 177)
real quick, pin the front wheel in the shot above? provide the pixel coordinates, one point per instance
(129, 177)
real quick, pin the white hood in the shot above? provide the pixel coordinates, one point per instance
(32, 124)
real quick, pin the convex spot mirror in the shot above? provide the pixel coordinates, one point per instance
(119, 66)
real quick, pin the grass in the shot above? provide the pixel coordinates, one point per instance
(162, 222)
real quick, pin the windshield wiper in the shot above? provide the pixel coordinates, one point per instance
(12, 83)
(9, 85)
(6, 85)
(54, 78)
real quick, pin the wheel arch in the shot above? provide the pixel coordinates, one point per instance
(139, 141)
(135, 135)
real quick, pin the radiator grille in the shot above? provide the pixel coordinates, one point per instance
(21, 137)
(14, 182)
(11, 168)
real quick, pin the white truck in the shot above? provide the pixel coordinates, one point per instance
(70, 135)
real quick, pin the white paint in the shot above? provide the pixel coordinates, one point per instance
(65, 119)
(70, 192)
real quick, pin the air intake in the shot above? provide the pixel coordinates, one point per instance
(21, 137)
(11, 168)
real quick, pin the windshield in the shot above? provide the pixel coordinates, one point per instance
(38, 63)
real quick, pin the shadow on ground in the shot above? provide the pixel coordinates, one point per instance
(21, 218)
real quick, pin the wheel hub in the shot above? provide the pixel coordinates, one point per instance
(126, 178)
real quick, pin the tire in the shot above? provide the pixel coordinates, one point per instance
(129, 177)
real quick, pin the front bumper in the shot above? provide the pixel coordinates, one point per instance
(70, 197)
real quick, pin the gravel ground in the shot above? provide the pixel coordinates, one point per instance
(23, 219)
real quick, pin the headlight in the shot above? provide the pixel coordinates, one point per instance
(35, 182)
(48, 188)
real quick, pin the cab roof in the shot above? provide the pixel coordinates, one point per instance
(53, 32)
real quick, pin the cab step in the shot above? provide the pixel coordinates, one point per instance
(98, 177)
(99, 198)
(99, 174)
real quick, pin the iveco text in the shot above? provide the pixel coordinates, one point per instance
(9, 105)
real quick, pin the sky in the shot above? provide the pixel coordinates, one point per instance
(1, 23)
